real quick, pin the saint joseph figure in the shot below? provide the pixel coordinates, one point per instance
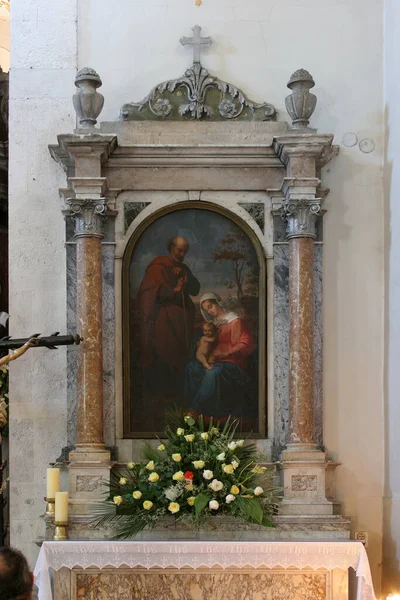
(167, 317)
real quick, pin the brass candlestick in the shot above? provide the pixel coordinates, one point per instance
(60, 531)
(50, 507)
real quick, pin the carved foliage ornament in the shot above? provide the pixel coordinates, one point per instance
(196, 95)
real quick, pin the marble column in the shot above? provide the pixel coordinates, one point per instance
(303, 465)
(301, 333)
(88, 201)
(89, 426)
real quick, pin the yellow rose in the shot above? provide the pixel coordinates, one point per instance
(147, 505)
(204, 435)
(190, 500)
(235, 490)
(150, 465)
(118, 500)
(189, 487)
(137, 494)
(190, 437)
(123, 481)
(131, 465)
(198, 464)
(178, 476)
(161, 447)
(228, 469)
(180, 431)
(176, 457)
(153, 477)
(173, 507)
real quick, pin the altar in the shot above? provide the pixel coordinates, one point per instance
(193, 570)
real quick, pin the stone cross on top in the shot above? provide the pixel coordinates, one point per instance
(197, 42)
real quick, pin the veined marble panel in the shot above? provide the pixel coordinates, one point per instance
(229, 584)
(281, 345)
(318, 343)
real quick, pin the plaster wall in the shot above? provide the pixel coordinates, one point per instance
(259, 43)
(43, 50)
(391, 545)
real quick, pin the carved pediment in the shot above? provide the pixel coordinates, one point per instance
(197, 95)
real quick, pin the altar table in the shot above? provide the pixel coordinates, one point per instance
(91, 570)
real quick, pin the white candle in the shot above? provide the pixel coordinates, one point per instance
(53, 482)
(61, 511)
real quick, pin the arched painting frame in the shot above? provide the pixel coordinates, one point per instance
(162, 326)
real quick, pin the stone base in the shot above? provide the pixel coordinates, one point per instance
(301, 527)
(295, 507)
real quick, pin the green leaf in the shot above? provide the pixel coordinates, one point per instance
(266, 522)
(253, 509)
(200, 502)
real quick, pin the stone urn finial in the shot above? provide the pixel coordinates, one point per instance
(301, 103)
(88, 103)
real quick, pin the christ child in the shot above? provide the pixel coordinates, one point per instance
(206, 344)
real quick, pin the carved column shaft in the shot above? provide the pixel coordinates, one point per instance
(300, 214)
(301, 340)
(90, 362)
(89, 214)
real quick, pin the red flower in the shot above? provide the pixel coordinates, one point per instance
(189, 475)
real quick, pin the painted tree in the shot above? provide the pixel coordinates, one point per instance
(234, 248)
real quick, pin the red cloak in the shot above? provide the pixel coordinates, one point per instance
(167, 317)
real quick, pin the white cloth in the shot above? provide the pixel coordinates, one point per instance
(228, 316)
(100, 554)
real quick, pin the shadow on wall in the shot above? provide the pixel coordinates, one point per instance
(390, 564)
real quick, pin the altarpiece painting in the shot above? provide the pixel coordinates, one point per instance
(194, 331)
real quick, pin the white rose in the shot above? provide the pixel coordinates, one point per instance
(180, 431)
(240, 443)
(216, 485)
(208, 474)
(232, 446)
(204, 435)
(228, 469)
(230, 498)
(258, 491)
(221, 456)
(189, 437)
(213, 505)
(235, 464)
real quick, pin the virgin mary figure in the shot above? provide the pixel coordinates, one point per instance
(223, 389)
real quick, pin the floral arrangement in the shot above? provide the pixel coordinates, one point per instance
(201, 470)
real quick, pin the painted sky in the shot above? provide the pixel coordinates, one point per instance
(204, 229)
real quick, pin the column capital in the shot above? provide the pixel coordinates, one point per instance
(300, 217)
(89, 216)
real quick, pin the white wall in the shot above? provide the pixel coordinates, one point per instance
(259, 43)
(43, 60)
(391, 546)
